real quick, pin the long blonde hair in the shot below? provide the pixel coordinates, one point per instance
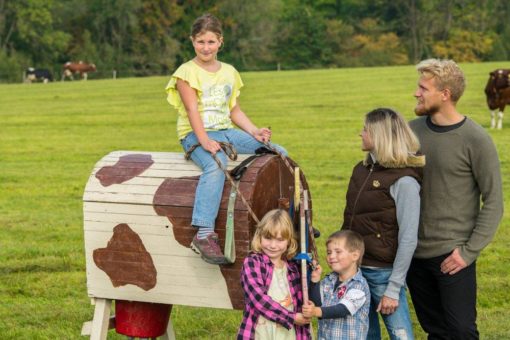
(394, 143)
(274, 222)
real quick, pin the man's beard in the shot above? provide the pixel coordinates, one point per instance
(422, 111)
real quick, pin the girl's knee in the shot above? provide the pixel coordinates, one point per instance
(281, 149)
(213, 170)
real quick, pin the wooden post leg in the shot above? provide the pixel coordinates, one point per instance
(170, 333)
(101, 319)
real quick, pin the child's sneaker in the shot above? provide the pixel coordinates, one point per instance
(209, 249)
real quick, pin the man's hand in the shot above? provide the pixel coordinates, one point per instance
(453, 263)
(387, 305)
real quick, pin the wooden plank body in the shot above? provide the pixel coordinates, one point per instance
(137, 214)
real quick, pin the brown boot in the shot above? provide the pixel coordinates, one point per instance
(209, 249)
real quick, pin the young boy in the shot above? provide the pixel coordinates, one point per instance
(341, 300)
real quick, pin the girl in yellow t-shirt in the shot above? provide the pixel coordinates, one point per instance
(204, 91)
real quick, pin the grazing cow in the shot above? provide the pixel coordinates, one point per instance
(497, 92)
(80, 68)
(35, 74)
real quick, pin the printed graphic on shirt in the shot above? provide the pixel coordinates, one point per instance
(216, 113)
(354, 299)
(279, 291)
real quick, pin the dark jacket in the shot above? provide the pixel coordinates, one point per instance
(370, 210)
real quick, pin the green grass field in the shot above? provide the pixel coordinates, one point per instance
(52, 135)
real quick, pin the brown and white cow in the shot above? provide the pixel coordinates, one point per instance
(80, 68)
(497, 92)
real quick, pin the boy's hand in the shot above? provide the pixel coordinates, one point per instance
(308, 309)
(316, 273)
(301, 320)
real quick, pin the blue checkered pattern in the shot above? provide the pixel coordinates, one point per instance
(357, 301)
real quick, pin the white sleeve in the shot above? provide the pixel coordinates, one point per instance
(353, 299)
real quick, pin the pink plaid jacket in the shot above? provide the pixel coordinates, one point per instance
(256, 276)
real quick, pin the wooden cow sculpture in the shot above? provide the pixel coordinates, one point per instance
(497, 92)
(137, 224)
(80, 68)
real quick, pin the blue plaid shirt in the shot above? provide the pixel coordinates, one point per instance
(356, 297)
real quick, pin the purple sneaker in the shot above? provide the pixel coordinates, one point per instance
(209, 249)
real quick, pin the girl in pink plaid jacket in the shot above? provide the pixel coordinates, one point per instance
(272, 284)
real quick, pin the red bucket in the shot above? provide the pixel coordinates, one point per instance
(141, 319)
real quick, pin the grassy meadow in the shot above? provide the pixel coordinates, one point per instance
(52, 135)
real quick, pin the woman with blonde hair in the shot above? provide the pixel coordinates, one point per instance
(383, 205)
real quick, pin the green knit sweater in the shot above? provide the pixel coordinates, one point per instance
(462, 168)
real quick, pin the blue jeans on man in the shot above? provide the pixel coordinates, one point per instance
(210, 186)
(399, 323)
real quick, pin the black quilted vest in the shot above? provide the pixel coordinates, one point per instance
(370, 210)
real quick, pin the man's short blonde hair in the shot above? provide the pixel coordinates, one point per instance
(276, 222)
(447, 75)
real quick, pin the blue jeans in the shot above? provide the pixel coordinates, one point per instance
(212, 180)
(398, 324)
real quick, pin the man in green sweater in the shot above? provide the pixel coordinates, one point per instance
(461, 206)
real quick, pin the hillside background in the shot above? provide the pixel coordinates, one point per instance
(151, 37)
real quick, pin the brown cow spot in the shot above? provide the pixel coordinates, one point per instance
(174, 200)
(125, 259)
(126, 168)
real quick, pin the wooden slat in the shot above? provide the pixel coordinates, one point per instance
(114, 208)
(123, 188)
(140, 229)
(168, 296)
(117, 197)
(161, 229)
(146, 220)
(174, 279)
(166, 173)
(177, 164)
(160, 156)
(155, 244)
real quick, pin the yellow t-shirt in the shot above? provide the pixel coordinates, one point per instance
(217, 94)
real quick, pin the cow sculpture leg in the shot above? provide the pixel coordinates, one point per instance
(98, 328)
(100, 323)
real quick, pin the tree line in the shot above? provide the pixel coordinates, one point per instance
(151, 37)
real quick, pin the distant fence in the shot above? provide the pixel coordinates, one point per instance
(20, 76)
